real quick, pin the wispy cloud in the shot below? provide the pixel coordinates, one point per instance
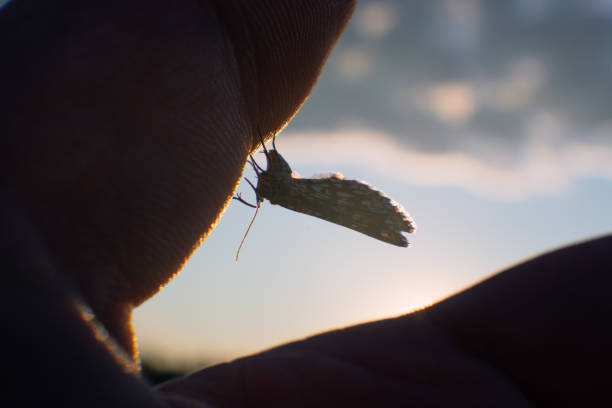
(474, 69)
(546, 165)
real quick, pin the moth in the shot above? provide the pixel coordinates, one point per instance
(351, 203)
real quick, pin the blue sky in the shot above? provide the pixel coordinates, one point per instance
(298, 275)
(488, 121)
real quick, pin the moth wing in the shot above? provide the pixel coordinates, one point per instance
(352, 204)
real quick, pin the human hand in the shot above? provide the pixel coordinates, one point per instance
(126, 126)
(537, 334)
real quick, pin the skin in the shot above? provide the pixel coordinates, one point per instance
(125, 128)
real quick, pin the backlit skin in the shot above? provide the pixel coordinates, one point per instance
(125, 126)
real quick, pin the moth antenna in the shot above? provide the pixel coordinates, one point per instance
(247, 231)
(239, 198)
(261, 139)
(256, 166)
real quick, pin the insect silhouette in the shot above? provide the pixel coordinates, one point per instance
(350, 203)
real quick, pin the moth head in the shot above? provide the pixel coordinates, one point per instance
(276, 163)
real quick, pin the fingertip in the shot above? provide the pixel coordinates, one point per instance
(281, 48)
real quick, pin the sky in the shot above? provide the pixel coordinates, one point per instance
(488, 121)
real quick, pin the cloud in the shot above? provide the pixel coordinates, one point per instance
(376, 19)
(354, 63)
(507, 100)
(548, 164)
(468, 76)
(449, 102)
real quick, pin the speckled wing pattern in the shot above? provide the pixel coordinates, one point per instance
(350, 203)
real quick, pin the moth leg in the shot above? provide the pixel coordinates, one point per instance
(253, 187)
(239, 198)
(274, 141)
(261, 139)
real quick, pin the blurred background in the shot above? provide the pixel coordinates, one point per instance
(489, 121)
